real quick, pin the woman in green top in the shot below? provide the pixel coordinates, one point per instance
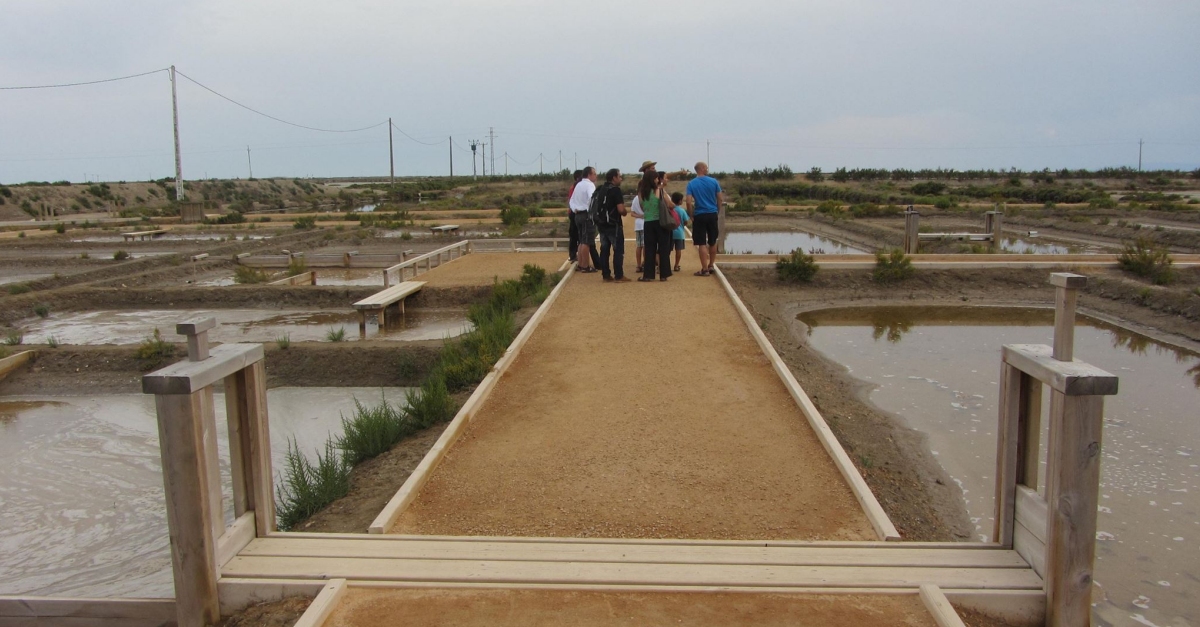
(657, 239)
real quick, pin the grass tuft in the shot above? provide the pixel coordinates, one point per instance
(1145, 258)
(244, 275)
(14, 338)
(892, 268)
(336, 335)
(284, 341)
(154, 350)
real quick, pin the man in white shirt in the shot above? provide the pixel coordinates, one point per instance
(580, 199)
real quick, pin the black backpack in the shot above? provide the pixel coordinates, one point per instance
(598, 209)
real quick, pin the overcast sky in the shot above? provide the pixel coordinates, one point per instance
(855, 83)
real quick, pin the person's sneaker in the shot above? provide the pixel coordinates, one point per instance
(621, 280)
(608, 279)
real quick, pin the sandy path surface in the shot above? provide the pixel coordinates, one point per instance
(483, 268)
(486, 607)
(643, 432)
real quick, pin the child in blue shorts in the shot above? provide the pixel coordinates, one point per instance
(678, 234)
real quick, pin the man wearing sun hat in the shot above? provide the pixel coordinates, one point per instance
(647, 166)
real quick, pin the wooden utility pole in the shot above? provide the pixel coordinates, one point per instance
(1140, 155)
(391, 156)
(249, 163)
(175, 120)
(451, 156)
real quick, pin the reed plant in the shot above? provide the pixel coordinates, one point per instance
(372, 430)
(306, 487)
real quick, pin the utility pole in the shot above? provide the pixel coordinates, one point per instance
(391, 157)
(1139, 155)
(540, 169)
(451, 156)
(708, 153)
(576, 161)
(249, 163)
(175, 119)
(506, 163)
(492, 141)
(560, 161)
(474, 145)
(483, 169)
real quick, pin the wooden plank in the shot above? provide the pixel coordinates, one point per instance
(186, 377)
(408, 491)
(322, 606)
(236, 537)
(374, 546)
(212, 462)
(1031, 511)
(238, 594)
(10, 364)
(939, 607)
(1018, 608)
(66, 607)
(1073, 378)
(912, 546)
(1064, 315)
(239, 443)
(304, 278)
(193, 548)
(634, 574)
(1030, 548)
(389, 295)
(1029, 438)
(1072, 493)
(878, 518)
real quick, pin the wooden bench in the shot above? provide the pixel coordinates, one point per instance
(445, 228)
(380, 301)
(142, 234)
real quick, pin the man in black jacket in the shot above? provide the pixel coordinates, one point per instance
(612, 232)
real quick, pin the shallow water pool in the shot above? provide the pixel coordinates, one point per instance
(783, 242)
(938, 368)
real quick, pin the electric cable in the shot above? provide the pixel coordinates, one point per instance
(267, 115)
(437, 143)
(106, 80)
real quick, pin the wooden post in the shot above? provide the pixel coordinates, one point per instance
(1072, 493)
(189, 507)
(1066, 293)
(196, 332)
(912, 220)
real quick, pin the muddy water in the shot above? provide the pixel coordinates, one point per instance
(81, 493)
(240, 325)
(782, 242)
(938, 369)
(1045, 247)
(325, 276)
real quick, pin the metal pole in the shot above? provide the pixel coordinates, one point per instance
(249, 163)
(505, 164)
(492, 140)
(451, 156)
(391, 157)
(175, 119)
(1139, 155)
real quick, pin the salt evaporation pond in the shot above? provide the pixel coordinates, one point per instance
(325, 276)
(1038, 246)
(783, 242)
(240, 325)
(81, 488)
(938, 368)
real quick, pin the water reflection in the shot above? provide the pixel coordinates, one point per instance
(782, 242)
(938, 370)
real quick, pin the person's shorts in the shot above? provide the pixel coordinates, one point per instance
(704, 229)
(587, 228)
(679, 244)
(639, 238)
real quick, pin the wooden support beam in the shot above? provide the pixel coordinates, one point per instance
(322, 606)
(1066, 293)
(193, 547)
(939, 606)
(258, 458)
(1072, 493)
(1073, 378)
(186, 377)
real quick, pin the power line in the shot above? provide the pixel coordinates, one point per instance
(105, 80)
(267, 115)
(437, 143)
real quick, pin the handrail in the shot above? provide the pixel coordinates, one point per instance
(463, 248)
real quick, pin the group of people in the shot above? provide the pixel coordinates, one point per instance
(598, 211)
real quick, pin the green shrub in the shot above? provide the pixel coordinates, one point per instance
(245, 275)
(406, 366)
(297, 265)
(943, 203)
(815, 175)
(749, 203)
(532, 276)
(19, 288)
(14, 338)
(41, 310)
(305, 488)
(120, 255)
(893, 267)
(306, 222)
(431, 405)
(514, 215)
(52, 342)
(284, 341)
(797, 267)
(60, 228)
(829, 206)
(1145, 258)
(154, 350)
(336, 335)
(373, 430)
(928, 188)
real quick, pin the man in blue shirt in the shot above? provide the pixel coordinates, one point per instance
(704, 201)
